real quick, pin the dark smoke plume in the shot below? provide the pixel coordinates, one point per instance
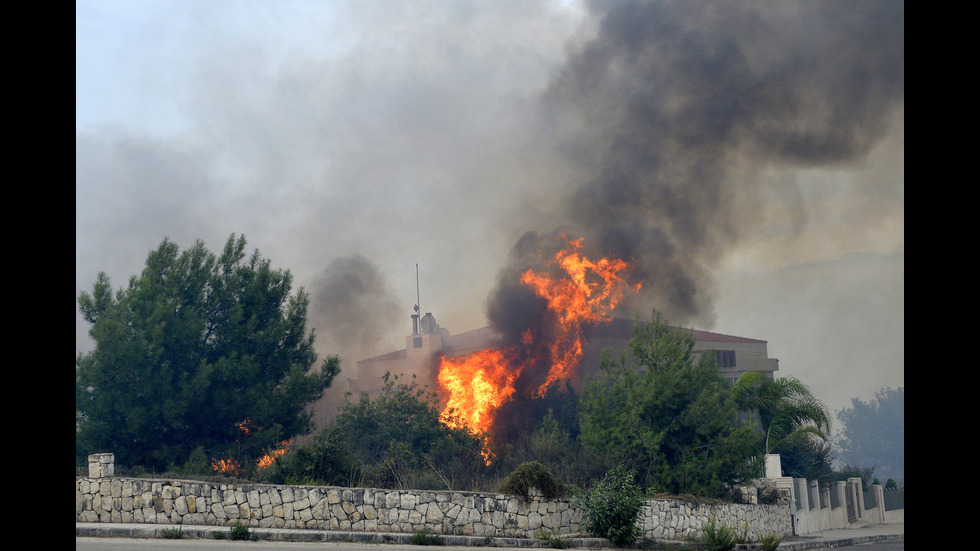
(352, 309)
(680, 112)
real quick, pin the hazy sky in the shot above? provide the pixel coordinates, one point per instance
(748, 156)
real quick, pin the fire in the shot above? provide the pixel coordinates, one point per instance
(227, 466)
(477, 385)
(269, 458)
(587, 292)
(578, 291)
(233, 467)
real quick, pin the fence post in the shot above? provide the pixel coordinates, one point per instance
(856, 488)
(879, 494)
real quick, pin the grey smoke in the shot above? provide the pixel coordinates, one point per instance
(353, 308)
(675, 111)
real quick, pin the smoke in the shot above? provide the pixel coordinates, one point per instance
(680, 121)
(352, 311)
(353, 308)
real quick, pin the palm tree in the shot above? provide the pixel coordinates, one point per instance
(786, 410)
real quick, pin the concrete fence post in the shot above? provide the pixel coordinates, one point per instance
(855, 483)
(774, 466)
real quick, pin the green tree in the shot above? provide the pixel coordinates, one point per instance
(668, 416)
(402, 441)
(199, 353)
(786, 410)
(611, 508)
(873, 432)
(811, 459)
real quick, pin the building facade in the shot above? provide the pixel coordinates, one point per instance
(428, 341)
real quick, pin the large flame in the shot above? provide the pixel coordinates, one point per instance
(577, 291)
(477, 385)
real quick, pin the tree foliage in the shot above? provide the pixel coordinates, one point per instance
(873, 433)
(197, 352)
(787, 412)
(669, 417)
(398, 441)
(611, 508)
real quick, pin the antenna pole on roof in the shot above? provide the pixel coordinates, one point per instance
(418, 295)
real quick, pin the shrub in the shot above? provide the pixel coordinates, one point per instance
(426, 537)
(770, 541)
(611, 508)
(172, 533)
(717, 537)
(532, 474)
(240, 532)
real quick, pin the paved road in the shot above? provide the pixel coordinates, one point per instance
(890, 545)
(148, 544)
(142, 537)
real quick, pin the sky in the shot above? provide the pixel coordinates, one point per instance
(747, 157)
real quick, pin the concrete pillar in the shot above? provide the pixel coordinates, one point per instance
(879, 492)
(855, 483)
(101, 465)
(774, 466)
(814, 494)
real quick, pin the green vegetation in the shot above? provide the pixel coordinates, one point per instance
(611, 508)
(196, 353)
(717, 537)
(393, 441)
(557, 542)
(770, 541)
(794, 423)
(786, 410)
(873, 433)
(669, 417)
(532, 474)
(204, 361)
(426, 537)
(172, 533)
(241, 532)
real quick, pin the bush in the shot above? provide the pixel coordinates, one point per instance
(768, 496)
(172, 533)
(717, 538)
(532, 474)
(770, 542)
(611, 508)
(241, 532)
(426, 537)
(325, 460)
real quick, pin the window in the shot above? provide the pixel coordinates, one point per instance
(725, 358)
(417, 342)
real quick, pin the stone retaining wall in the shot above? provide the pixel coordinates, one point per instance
(182, 502)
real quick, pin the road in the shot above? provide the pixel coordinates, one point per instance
(151, 544)
(890, 545)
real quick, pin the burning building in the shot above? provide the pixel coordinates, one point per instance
(428, 342)
(551, 319)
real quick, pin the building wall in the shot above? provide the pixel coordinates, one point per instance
(750, 354)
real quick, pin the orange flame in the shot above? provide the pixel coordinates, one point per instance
(227, 466)
(232, 467)
(269, 458)
(477, 385)
(586, 291)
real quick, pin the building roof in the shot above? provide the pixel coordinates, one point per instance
(623, 328)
